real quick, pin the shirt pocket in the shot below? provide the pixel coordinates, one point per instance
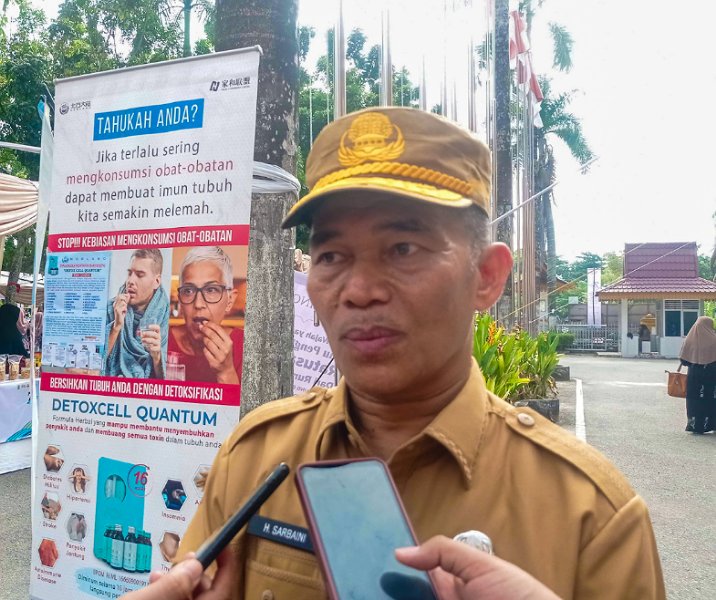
(278, 572)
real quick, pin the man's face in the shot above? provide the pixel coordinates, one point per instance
(394, 285)
(197, 313)
(142, 281)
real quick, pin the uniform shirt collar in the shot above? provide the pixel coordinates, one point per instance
(459, 428)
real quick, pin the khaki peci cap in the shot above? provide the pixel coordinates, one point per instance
(405, 152)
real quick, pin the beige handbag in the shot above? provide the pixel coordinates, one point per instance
(676, 383)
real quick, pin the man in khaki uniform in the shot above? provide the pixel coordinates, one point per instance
(401, 260)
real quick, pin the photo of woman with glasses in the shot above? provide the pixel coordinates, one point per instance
(202, 349)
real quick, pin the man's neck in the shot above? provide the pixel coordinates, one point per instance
(385, 425)
(141, 308)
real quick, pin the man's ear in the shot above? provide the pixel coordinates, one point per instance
(495, 266)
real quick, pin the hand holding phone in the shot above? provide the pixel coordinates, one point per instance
(357, 521)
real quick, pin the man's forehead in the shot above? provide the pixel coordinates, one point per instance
(141, 264)
(377, 215)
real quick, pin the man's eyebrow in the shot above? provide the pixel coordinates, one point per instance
(321, 237)
(410, 225)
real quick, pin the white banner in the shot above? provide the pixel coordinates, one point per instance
(145, 292)
(312, 357)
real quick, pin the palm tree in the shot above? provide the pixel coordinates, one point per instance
(557, 122)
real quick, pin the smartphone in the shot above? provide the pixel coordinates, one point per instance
(212, 547)
(357, 520)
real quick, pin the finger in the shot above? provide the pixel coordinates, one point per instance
(454, 557)
(155, 576)
(216, 329)
(213, 338)
(224, 580)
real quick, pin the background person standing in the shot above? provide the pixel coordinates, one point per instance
(699, 354)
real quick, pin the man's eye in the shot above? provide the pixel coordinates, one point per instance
(212, 289)
(404, 249)
(327, 258)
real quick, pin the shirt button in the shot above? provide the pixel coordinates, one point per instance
(525, 419)
(267, 595)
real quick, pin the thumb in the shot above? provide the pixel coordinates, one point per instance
(454, 557)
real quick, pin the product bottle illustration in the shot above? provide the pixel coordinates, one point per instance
(141, 551)
(147, 552)
(83, 358)
(129, 562)
(59, 357)
(48, 353)
(95, 360)
(107, 547)
(71, 359)
(117, 558)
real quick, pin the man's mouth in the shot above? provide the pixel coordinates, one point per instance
(369, 340)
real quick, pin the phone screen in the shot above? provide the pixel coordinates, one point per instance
(360, 524)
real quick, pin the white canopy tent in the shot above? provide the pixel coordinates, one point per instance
(18, 204)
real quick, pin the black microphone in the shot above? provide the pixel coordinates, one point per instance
(212, 547)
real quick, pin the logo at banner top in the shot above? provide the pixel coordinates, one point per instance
(368, 139)
(214, 87)
(64, 108)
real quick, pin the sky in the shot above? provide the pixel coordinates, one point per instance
(643, 87)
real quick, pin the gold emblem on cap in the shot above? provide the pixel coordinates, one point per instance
(368, 140)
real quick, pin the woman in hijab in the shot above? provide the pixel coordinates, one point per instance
(11, 323)
(699, 354)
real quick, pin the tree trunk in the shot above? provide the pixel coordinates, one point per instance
(187, 27)
(272, 25)
(268, 339)
(502, 151)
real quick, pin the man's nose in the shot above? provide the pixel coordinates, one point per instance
(365, 283)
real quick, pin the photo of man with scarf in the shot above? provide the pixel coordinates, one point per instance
(138, 320)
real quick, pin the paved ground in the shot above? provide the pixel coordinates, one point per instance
(628, 417)
(15, 535)
(633, 422)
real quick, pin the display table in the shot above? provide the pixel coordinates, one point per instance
(15, 425)
(15, 410)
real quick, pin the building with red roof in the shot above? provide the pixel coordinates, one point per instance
(667, 273)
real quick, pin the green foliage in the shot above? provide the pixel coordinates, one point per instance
(500, 356)
(564, 340)
(540, 361)
(706, 268)
(515, 364)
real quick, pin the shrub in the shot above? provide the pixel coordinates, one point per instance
(565, 340)
(499, 355)
(515, 365)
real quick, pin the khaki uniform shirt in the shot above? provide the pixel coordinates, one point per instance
(551, 504)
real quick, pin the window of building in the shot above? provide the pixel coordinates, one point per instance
(679, 316)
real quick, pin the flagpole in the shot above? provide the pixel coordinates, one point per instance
(339, 66)
(386, 79)
(423, 88)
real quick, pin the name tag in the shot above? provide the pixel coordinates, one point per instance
(280, 532)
